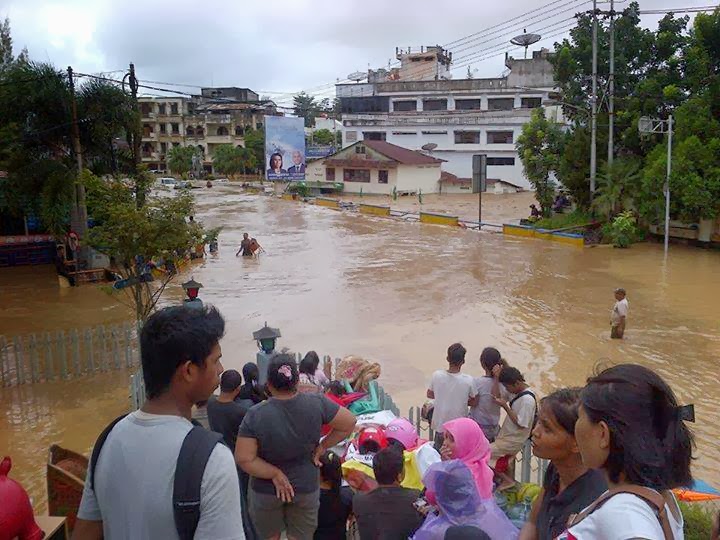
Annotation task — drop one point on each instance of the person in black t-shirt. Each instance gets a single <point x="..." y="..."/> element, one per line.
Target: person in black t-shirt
<point x="251" y="390"/>
<point x="335" y="501"/>
<point x="569" y="486"/>
<point x="388" y="511"/>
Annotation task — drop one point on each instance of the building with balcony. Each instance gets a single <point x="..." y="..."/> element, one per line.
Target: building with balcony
<point x="216" y="116"/>
<point x="425" y="110"/>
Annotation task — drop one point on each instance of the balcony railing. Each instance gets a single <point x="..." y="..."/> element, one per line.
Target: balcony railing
<point x="218" y="118"/>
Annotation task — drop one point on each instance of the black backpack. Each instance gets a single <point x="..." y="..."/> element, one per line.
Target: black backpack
<point x="195" y="451"/>
<point x="535" y="416"/>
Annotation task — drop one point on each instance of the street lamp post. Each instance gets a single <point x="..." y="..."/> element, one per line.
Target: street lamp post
<point x="654" y="125"/>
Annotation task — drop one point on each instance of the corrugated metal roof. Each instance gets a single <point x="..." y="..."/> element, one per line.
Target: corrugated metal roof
<point x="400" y="154"/>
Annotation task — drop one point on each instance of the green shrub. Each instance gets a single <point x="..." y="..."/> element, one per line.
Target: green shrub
<point x="561" y="221"/>
<point x="698" y="521"/>
<point x="209" y="177"/>
<point x="623" y="230"/>
<point x="299" y="188"/>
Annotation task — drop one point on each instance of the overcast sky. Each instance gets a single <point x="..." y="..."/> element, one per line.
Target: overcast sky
<point x="275" y="46"/>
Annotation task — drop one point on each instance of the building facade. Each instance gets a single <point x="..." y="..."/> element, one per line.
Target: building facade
<point x="217" y="116"/>
<point x="451" y="119"/>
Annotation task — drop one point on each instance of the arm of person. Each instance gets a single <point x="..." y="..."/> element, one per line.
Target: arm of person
<point x="341" y="426"/>
<point x="88" y="530"/>
<point x="247" y="459"/>
<point x="495" y="390"/>
<point x="512" y="415"/>
<point x="430" y="394"/>
<point x="431" y="388"/>
<point x="529" y="531"/>
<point x="473" y="400"/>
<point x="220" y="499"/>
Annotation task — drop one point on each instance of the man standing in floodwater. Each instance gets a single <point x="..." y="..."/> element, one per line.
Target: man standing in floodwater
<point x="618" y="317"/>
<point x="245" y="246"/>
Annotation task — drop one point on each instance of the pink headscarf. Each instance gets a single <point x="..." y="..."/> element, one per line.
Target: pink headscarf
<point x="473" y="449"/>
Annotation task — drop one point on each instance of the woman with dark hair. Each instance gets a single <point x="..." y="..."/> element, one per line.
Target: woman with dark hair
<point x="487" y="412"/>
<point x="250" y="390"/>
<point x="335" y="502"/>
<point x="569" y="486"/>
<point x="276" y="164"/>
<point x="631" y="427"/>
<point x="277" y="446"/>
<point x="310" y="372"/>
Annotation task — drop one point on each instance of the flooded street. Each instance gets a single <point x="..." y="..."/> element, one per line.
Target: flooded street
<point x="398" y="293"/>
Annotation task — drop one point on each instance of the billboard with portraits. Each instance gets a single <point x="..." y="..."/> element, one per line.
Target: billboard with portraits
<point x="284" y="148"/>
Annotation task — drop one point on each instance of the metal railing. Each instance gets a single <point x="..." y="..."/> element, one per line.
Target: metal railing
<point x="65" y="354"/>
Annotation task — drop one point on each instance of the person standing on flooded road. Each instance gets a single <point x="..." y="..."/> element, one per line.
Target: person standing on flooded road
<point x="618" y="318"/>
<point x="245" y="246"/>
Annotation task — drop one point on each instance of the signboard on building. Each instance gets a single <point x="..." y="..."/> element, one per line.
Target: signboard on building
<point x="284" y="148"/>
<point x="317" y="151"/>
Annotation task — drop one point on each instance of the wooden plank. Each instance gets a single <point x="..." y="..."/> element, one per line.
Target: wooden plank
<point x="128" y="345"/>
<point x="4" y="361"/>
<point x="19" y="367"/>
<point x="102" y="340"/>
<point x="90" y="350"/>
<point x="34" y="359"/>
<point x="49" y="371"/>
<point x="115" y="346"/>
<point x="61" y="344"/>
<point x="75" y="342"/>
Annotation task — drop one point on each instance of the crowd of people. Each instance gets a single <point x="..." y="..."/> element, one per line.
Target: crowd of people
<point x="276" y="460"/>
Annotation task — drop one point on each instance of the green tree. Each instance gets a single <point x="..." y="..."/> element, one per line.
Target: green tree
<point x="323" y="137"/>
<point x="180" y="159"/>
<point x="229" y="159"/>
<point x="305" y="106"/>
<point x="539" y="147"/>
<point x="255" y="142"/>
<point x="6" y="48"/>
<point x="129" y="234"/>
<point x="616" y="186"/>
<point x="574" y="166"/>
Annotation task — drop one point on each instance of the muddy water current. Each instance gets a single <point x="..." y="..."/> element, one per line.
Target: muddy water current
<point x="398" y="293"/>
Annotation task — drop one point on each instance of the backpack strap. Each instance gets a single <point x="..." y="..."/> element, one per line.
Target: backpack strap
<point x="98" y="446"/>
<point x="521" y="394"/>
<point x="654" y="499"/>
<point x="199" y="443"/>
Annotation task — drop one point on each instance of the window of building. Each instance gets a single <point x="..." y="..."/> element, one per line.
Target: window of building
<point x="467" y="137"/>
<point x="201" y="150"/>
<point x="402" y="106"/>
<point x="330" y="174"/>
<point x="369" y="104"/>
<point x="175" y="128"/>
<point x="468" y="104"/>
<point x="190" y="131"/>
<point x="435" y="104"/>
<point x="163" y="108"/>
<point x="163" y="128"/>
<point x="239" y="131"/>
<point x="173" y="108"/>
<point x="374" y="135"/>
<point x="434" y="132"/>
<point x="501" y="161"/>
<point x="351" y="136"/>
<point x="530" y="102"/>
<point x="163" y="147"/>
<point x="383" y="177"/>
<point x="404" y="132"/>
<point x="222" y="131"/>
<point x="500" y="137"/>
<point x="145" y="109"/>
<point x="175" y="144"/>
<point x="501" y="104"/>
<point x="200" y="131"/>
<point x="147" y="130"/>
<point x="360" y="149"/>
<point x="356" y="175"/>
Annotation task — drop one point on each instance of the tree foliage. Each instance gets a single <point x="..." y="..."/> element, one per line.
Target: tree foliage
<point x="540" y="146"/>
<point x="324" y="137"/>
<point x="180" y="159"/>
<point x="255" y="142"/>
<point x="231" y="160"/>
<point x="133" y="236"/>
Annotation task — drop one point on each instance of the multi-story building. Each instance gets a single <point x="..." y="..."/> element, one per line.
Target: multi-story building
<point x="217" y="116"/>
<point x="423" y="109"/>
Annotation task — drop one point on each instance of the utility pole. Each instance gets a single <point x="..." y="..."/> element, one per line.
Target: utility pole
<point x="78" y="214"/>
<point x="667" y="183"/>
<point x="611" y="88"/>
<point x="593" y="128"/>
<point x="135" y="137"/>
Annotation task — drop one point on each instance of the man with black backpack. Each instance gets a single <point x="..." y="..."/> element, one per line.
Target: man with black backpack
<point x="521" y="416"/>
<point x="153" y="474"/>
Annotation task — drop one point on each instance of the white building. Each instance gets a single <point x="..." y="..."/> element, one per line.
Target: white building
<point x="451" y="119"/>
<point x="376" y="167"/>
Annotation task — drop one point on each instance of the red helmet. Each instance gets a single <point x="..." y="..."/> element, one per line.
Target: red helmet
<point x="16" y="513"/>
<point x="372" y="439"/>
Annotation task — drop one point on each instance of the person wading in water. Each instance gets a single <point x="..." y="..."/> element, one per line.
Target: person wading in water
<point x="245" y="246"/>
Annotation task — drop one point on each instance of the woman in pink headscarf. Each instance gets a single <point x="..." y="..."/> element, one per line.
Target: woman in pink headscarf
<point x="465" y="440"/>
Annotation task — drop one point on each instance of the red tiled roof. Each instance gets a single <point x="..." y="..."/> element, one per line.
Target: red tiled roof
<point x="450" y="178"/>
<point x="402" y="155"/>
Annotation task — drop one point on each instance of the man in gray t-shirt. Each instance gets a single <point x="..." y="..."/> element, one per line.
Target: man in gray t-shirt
<point x="135" y="471"/>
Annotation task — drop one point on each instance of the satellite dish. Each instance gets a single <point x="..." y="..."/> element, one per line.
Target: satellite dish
<point x="429" y="147"/>
<point x="357" y="76"/>
<point x="525" y="40"/>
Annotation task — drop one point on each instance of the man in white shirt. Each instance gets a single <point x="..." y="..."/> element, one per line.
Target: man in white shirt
<point x="452" y="391"/>
<point x="618" y="317"/>
<point x="130" y="492"/>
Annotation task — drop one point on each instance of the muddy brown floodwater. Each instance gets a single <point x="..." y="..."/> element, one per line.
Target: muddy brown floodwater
<point x="398" y="293"/>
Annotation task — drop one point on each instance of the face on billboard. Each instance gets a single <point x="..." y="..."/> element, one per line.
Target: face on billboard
<point x="285" y="148"/>
<point x="276" y="162"/>
<point x="297" y="157"/>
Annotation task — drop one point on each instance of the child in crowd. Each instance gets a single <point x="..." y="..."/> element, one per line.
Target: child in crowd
<point x="335" y="501"/>
<point x="487" y="412"/>
<point x="569" y="486"/>
<point x="452" y="391"/>
<point x="518" y="424"/>
<point x="631" y="427"/>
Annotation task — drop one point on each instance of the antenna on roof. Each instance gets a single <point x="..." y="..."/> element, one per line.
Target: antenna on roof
<point x="525" y="40"/>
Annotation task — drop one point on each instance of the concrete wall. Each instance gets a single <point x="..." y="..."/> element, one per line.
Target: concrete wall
<point x="415" y="178"/>
<point x="456" y="188"/>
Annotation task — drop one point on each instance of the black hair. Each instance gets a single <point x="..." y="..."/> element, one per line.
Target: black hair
<point x="510" y="375"/>
<point x="564" y="405"/>
<point x="272" y="156"/>
<point x="456" y="354"/>
<point x="250" y="372"/>
<point x="490" y="357"/>
<point x="230" y="380"/>
<point x="336" y="388"/>
<point x="175" y="335"/>
<point x="387" y="466"/>
<point x="369" y="447"/>
<point x="649" y="442"/>
<point x="465" y="532"/>
<point x="310" y="363"/>
<point x="331" y="470"/>
<point x="281" y="378"/>
<point x="396" y="445"/>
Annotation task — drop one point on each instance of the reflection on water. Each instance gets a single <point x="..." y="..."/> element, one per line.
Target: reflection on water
<point x="399" y="293"/>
